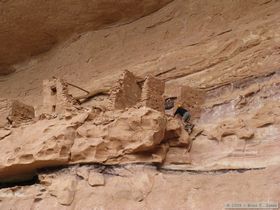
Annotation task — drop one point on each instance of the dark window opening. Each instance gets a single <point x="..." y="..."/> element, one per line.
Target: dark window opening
<point x="53" y="90"/>
<point x="53" y="108"/>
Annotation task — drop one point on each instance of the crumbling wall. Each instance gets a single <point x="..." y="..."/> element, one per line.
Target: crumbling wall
<point x="12" y="111"/>
<point x="56" y="98"/>
<point x="152" y="93"/>
<point x="127" y="92"/>
<point x="192" y="99"/>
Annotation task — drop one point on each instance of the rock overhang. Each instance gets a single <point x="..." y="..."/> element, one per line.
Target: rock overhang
<point x="31" y="27"/>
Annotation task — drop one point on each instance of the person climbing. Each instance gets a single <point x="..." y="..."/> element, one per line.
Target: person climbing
<point x="186" y="116"/>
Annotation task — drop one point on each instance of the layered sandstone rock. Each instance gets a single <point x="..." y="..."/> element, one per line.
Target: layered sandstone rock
<point x="61" y="187"/>
<point x="140" y="187"/>
<point x="174" y="134"/>
<point x="41" y="144"/>
<point x="117" y="138"/>
<point x="244" y="126"/>
<point x="131" y="136"/>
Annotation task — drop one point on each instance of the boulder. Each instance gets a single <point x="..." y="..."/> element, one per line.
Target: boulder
<point x="175" y="133"/>
<point x="63" y="188"/>
<point x="132" y="132"/>
<point x="96" y="179"/>
<point x="45" y="143"/>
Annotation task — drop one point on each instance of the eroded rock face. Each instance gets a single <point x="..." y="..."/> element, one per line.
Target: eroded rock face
<point x="62" y="187"/>
<point x="174" y="133"/>
<point x="44" y="143"/>
<point x="140" y="187"/>
<point x="130" y="132"/>
<point x="112" y="137"/>
<point x="240" y="129"/>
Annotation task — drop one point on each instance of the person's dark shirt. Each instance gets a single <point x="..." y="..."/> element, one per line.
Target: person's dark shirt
<point x="181" y="111"/>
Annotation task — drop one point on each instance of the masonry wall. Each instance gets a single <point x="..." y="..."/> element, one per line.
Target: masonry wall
<point x="152" y="93"/>
<point x="192" y="99"/>
<point x="127" y="92"/>
<point x="56" y="98"/>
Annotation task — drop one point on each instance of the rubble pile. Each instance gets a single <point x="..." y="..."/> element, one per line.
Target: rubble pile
<point x="14" y="112"/>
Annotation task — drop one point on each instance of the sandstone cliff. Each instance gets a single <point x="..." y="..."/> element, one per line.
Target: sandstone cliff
<point x="121" y="149"/>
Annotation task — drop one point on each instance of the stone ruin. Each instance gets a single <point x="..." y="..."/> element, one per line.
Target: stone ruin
<point x="128" y="93"/>
<point x="152" y="93"/>
<point x="56" y="98"/>
<point x="14" y="112"/>
<point x="192" y="99"/>
<point x="135" y="131"/>
<point x="188" y="97"/>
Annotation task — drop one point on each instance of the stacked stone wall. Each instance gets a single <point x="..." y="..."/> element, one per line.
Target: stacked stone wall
<point x="126" y="92"/>
<point x="152" y="93"/>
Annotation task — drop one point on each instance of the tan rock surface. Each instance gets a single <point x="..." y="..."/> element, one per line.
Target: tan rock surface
<point x="174" y="134"/>
<point x="62" y="186"/>
<point x="4" y="133"/>
<point x="113" y="137"/>
<point x="44" y="143"/>
<point x="133" y="131"/>
<point x="96" y="179"/>
<point x="54" y="21"/>
<point x="144" y="187"/>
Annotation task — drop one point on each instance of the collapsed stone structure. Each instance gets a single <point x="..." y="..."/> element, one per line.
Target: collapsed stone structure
<point x="127" y="93"/>
<point x="56" y="98"/>
<point x="14" y="112"/>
